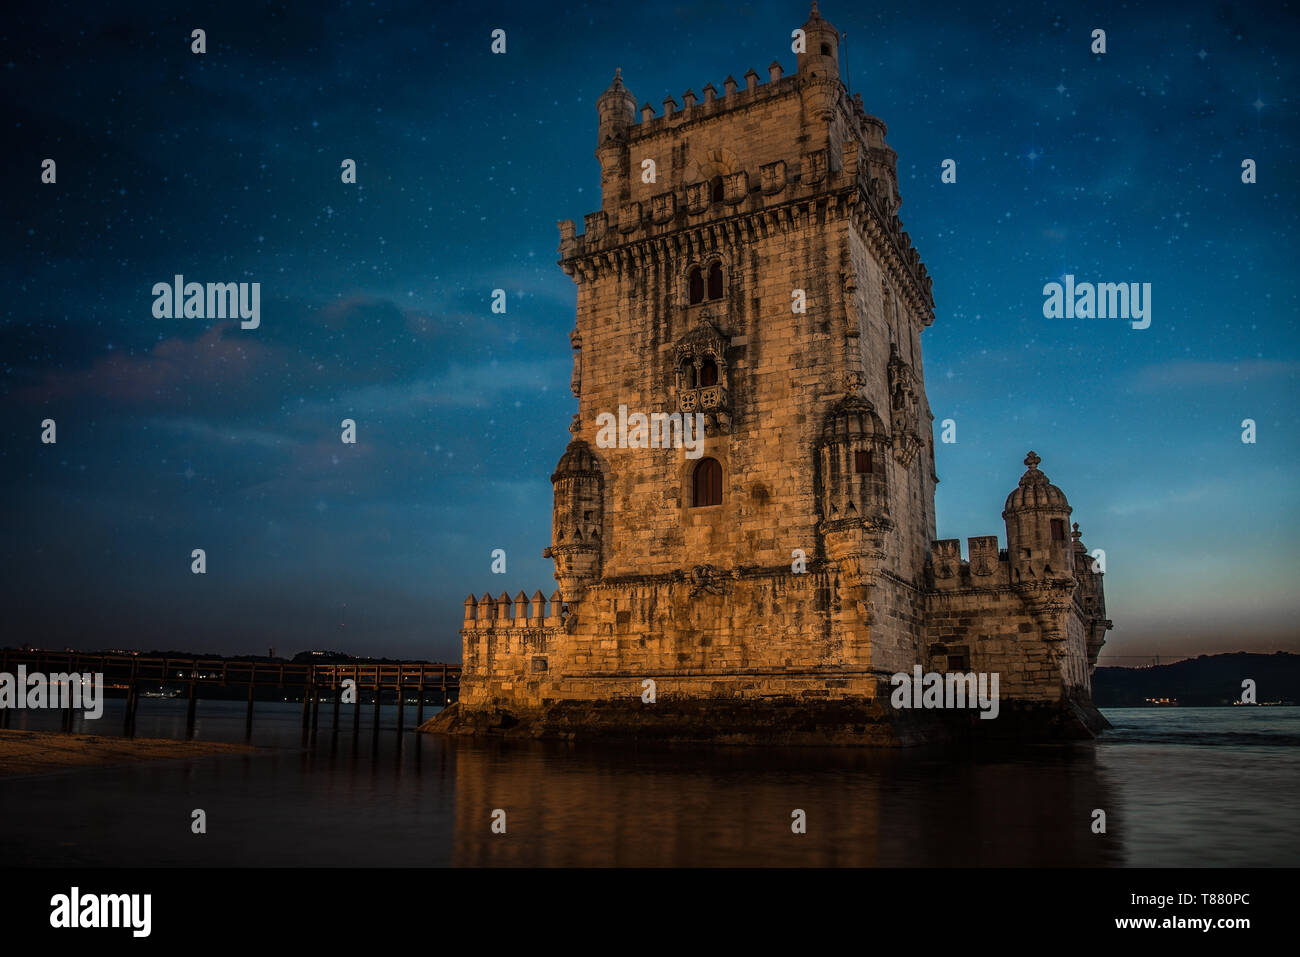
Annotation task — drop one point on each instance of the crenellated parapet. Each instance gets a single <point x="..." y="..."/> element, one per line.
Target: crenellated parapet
<point x="1044" y="573"/>
<point x="676" y="224"/>
<point x="487" y="613"/>
<point x="507" y="644"/>
<point x="986" y="568"/>
<point x="663" y="198"/>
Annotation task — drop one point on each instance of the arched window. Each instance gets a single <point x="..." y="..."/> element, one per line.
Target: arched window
<point x="708" y="372"/>
<point x="695" y="285"/>
<point x="1058" y="530"/>
<point x="826" y="49"/>
<point x="706" y="484"/>
<point x="688" y="372"/>
<point x="716" y="191"/>
<point x="715" y="281"/>
<point x="862" y="461"/>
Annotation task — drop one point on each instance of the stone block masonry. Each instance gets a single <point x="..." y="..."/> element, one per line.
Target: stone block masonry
<point x="767" y="586"/>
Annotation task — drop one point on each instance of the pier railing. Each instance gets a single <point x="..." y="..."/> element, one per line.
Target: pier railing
<point x="313" y="682"/>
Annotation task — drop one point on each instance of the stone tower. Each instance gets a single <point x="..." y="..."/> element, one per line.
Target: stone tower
<point x="747" y="266"/>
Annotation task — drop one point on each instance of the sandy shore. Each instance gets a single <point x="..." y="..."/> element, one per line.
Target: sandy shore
<point x="39" y="752"/>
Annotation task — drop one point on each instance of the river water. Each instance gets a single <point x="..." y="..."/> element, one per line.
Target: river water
<point x="1180" y="787"/>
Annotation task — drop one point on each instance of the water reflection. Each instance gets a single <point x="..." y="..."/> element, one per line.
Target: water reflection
<point x="1178" y="790"/>
<point x="595" y="806"/>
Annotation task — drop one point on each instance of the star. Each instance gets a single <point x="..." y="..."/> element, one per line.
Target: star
<point x="1060" y="88"/>
<point x="1202" y="55"/>
<point x="1258" y="104"/>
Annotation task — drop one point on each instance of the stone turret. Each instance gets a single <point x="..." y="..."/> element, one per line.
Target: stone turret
<point x="577" y="519"/>
<point x="1040" y="553"/>
<point x="1091" y="597"/>
<point x="616" y="109"/>
<point x="1037" y="516"/>
<point x="821" y="56"/>
<point x="819" y="66"/>
<point x="853" y="497"/>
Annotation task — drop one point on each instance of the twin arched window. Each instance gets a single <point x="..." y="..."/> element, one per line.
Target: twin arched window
<point x="706" y="483"/>
<point x="707" y="376"/>
<point x="695" y="283"/>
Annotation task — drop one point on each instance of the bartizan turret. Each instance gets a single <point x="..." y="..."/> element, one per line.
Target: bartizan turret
<point x="853" y="497"/>
<point x="1090" y="597"/>
<point x="1040" y="551"/>
<point x="819" y="67"/>
<point x="616" y="112"/>
<point x="577" y="520"/>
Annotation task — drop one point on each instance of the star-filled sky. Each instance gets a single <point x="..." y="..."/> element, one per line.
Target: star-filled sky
<point x="176" y="434"/>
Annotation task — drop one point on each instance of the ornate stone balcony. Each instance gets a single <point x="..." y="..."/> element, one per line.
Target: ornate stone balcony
<point x="709" y="398"/>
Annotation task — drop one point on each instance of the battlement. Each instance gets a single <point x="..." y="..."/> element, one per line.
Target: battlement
<point x="626" y="142"/>
<point x="987" y="566"/>
<point x="735" y="166"/>
<point x="693" y="109"/>
<point x="488" y="613"/>
<point x="701" y="193"/>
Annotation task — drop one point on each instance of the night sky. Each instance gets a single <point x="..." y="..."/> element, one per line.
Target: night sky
<point x="175" y="434"/>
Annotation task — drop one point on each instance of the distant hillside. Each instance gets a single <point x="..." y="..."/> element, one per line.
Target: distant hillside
<point x="1207" y="680"/>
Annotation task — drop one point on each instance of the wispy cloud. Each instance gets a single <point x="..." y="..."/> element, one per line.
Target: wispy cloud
<point x="1188" y="373"/>
<point x="462" y="386"/>
<point x="222" y="434"/>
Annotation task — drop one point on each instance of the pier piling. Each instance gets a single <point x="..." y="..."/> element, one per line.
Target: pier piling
<point x="193" y="707"/>
<point x="356" y="699"/>
<point x="401" y="700"/>
<point x="138" y="675"/>
<point x="248" y="716"/>
<point x="306" y="702"/>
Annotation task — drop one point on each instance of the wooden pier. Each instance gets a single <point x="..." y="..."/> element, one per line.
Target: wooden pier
<point x="431" y="683"/>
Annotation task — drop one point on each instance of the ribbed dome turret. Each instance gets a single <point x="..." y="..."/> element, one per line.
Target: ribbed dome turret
<point x="578" y="519"/>
<point x="852" y="480"/>
<point x="616" y="109"/>
<point x="852" y="417"/>
<point x="578" y="459"/>
<point x="823" y="45"/>
<point x="1038" y="541"/>
<point x="1035" y="491"/>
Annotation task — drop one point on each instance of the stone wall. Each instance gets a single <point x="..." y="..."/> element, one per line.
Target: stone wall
<point x="785" y="185"/>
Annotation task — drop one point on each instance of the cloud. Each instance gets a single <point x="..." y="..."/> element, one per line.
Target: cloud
<point x="462" y="387"/>
<point x="222" y="434"/>
<point x="1188" y="373"/>
<point x="298" y="352"/>
<point x="1130" y="504"/>
<point x="174" y="367"/>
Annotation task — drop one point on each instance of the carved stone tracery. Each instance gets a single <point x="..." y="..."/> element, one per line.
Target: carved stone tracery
<point x="903" y="415"/>
<point x="704" y="342"/>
